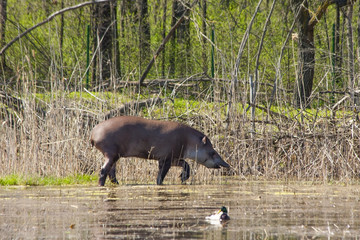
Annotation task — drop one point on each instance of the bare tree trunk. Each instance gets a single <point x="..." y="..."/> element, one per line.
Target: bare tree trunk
<point x="358" y="43"/>
<point x="351" y="57"/>
<point x="172" y="60"/>
<point x="163" y="36"/>
<point x="173" y="53"/>
<point x="104" y="28"/>
<point x="180" y="42"/>
<point x="185" y="41"/>
<point x="3" y="17"/>
<point x="61" y="40"/>
<point x="116" y="66"/>
<point x="337" y="53"/>
<point x="144" y="33"/>
<point x="128" y="7"/>
<point x="306" y="58"/>
<point x="129" y="12"/>
<point x="204" y="29"/>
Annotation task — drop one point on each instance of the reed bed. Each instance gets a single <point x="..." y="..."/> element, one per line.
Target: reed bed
<point x="48" y="135"/>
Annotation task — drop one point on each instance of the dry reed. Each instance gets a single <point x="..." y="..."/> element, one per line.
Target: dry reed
<point x="51" y="137"/>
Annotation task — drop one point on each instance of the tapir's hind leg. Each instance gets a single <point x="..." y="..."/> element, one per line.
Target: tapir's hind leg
<point x="110" y="159"/>
<point x="164" y="166"/>
<point x="185" y="174"/>
<point x="112" y="174"/>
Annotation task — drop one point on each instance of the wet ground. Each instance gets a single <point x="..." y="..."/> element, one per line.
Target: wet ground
<point x="257" y="209"/>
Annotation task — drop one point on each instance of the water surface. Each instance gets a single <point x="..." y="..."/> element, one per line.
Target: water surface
<point x="257" y="209"/>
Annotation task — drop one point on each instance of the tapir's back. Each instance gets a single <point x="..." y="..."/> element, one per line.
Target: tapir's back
<point x="139" y="137"/>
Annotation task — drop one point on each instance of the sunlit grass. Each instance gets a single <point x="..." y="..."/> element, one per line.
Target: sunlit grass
<point x="14" y="179"/>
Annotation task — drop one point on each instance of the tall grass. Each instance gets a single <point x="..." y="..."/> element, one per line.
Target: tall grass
<point x="49" y="136"/>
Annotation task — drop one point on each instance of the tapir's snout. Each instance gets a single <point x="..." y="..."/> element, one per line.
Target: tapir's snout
<point x="216" y="162"/>
<point x="221" y="163"/>
<point x="224" y="164"/>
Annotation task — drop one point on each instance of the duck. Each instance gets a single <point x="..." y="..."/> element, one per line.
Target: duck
<point x="221" y="216"/>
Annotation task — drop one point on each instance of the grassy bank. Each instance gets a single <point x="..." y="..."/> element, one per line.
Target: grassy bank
<point x="14" y="179"/>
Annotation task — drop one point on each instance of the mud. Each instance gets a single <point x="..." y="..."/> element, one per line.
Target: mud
<point x="257" y="209"/>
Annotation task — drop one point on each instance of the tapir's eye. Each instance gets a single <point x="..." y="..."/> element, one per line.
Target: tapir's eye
<point x="212" y="154"/>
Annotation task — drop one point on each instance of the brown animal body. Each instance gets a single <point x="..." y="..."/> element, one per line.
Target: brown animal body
<point x="168" y="142"/>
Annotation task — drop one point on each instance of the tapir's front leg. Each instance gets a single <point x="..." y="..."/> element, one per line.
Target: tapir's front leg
<point x="164" y="166"/>
<point x="185" y="174"/>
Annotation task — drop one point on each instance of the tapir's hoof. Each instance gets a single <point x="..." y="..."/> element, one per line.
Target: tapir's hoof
<point x="115" y="181"/>
<point x="184" y="176"/>
<point x="102" y="181"/>
<point x="101" y="184"/>
<point x="159" y="181"/>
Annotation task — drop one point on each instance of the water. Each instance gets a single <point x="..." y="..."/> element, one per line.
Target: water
<point x="257" y="209"/>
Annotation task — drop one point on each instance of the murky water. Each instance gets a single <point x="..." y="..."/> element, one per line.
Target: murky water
<point x="258" y="210"/>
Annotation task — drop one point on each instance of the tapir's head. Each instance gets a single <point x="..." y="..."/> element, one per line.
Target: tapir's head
<point x="201" y="150"/>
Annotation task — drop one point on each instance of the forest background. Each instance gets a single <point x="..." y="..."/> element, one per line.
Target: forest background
<point x="274" y="84"/>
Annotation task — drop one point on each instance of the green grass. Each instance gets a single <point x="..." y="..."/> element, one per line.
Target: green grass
<point x="14" y="179"/>
<point x="183" y="106"/>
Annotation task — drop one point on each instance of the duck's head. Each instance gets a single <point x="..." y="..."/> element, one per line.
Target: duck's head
<point x="224" y="217"/>
<point x="223" y="209"/>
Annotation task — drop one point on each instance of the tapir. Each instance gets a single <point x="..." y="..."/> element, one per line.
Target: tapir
<point x="168" y="142"/>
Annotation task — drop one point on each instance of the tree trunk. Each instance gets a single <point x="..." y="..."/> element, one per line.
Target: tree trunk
<point x="163" y="36"/>
<point x="358" y="39"/>
<point x="104" y="32"/>
<point x="144" y="33"/>
<point x="204" y="29"/>
<point x="337" y="53"/>
<point x="3" y="18"/>
<point x="306" y="22"/>
<point x="129" y="14"/>
<point x="175" y="16"/>
<point x="185" y="42"/>
<point x="180" y="42"/>
<point x="306" y="58"/>
<point x="350" y="44"/>
<point x="116" y="66"/>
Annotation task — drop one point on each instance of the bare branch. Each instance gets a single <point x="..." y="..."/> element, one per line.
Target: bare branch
<point x="48" y="20"/>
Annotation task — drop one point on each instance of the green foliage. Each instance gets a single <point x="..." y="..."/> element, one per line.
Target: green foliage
<point x="14" y="179"/>
<point x="44" y="61"/>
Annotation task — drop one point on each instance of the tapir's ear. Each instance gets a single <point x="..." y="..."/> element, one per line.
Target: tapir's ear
<point x="204" y="140"/>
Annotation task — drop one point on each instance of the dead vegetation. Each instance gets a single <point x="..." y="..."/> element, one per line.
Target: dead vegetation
<point x="51" y="137"/>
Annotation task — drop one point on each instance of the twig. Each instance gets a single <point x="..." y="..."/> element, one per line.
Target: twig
<point x="339" y="102"/>
<point x="101" y="100"/>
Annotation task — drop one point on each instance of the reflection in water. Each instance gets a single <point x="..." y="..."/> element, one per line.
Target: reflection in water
<point x="257" y="210"/>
